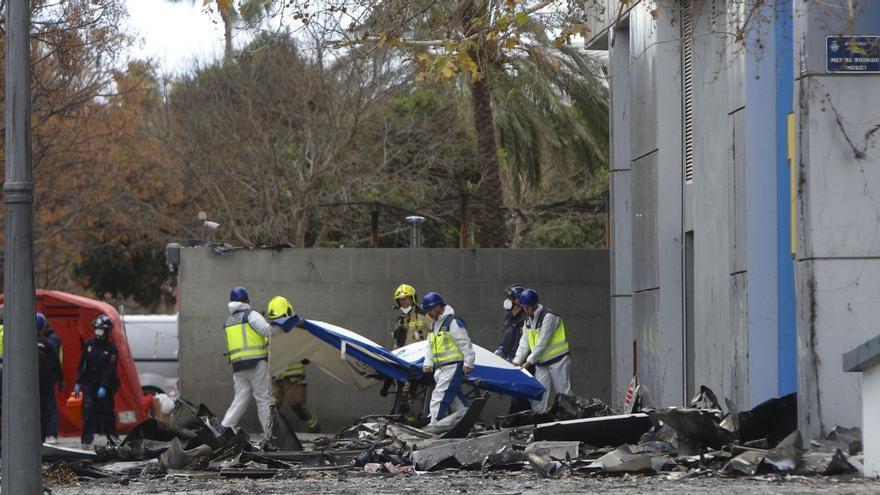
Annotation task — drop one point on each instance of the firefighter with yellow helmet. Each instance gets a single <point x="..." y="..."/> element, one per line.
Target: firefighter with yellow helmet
<point x="412" y="326"/>
<point x="543" y="348"/>
<point x="289" y="386"/>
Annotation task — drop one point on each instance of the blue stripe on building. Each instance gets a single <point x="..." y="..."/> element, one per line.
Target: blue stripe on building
<point x="785" y="282"/>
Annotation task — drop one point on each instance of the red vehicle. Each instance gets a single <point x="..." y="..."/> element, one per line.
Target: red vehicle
<point x="71" y="317"/>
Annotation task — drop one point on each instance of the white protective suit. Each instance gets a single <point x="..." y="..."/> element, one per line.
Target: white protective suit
<point x="556" y="371"/>
<point x="447" y="397"/>
<point x="252" y="381"/>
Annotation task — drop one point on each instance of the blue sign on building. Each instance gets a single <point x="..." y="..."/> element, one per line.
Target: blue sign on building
<point x="852" y="54"/>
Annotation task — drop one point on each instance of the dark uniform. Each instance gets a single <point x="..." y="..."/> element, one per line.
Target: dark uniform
<point x="97" y="369"/>
<point x="510" y="337"/>
<point x="50" y="376"/>
<point x="55" y="340"/>
<point x="49" y="369"/>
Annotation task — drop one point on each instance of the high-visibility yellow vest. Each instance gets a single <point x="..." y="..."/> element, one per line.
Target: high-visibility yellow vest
<point x="443" y="346"/>
<point x="243" y="343"/>
<point x="296" y="370"/>
<point x="2" y="328"/>
<point x="417" y="326"/>
<point x="557" y="345"/>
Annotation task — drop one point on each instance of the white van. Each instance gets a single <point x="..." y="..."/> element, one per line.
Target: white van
<point x="153" y="343"/>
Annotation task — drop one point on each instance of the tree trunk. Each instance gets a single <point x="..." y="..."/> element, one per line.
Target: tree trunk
<point x="227" y="34"/>
<point x="491" y="229"/>
<point x="463" y="223"/>
<point x="374" y="226"/>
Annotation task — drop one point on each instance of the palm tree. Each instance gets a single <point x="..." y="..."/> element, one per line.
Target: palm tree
<point x="539" y="99"/>
<point x="549" y="115"/>
<point x="248" y="11"/>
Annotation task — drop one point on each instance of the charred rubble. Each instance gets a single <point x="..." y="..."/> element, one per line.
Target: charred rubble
<point x="578" y="437"/>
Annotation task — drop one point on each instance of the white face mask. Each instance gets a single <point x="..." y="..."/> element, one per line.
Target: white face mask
<point x="406" y="310"/>
<point x="508" y="304"/>
<point x="99" y="332"/>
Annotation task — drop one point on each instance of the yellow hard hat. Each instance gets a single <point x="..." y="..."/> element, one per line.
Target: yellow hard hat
<point x="279" y="306"/>
<point x="403" y="291"/>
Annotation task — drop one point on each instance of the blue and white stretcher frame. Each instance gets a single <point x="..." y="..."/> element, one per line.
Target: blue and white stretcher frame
<point x="359" y="362"/>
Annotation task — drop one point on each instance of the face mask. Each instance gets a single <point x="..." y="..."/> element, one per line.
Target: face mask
<point x="99" y="332"/>
<point x="508" y="304"/>
<point x="406" y="310"/>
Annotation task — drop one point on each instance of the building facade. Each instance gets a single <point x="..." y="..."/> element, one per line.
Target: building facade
<point x="716" y="248"/>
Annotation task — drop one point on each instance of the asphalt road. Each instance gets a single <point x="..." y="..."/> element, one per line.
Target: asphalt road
<point x="491" y="483"/>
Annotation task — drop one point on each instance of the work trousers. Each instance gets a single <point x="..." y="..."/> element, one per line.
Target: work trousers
<point x="292" y="391"/>
<point x="254" y="381"/>
<point x="555" y="374"/>
<point x="54" y="415"/>
<point x="46" y="392"/>
<point x="405" y="403"/>
<point x="518" y="405"/>
<point x="447" y="397"/>
<point x="98" y="414"/>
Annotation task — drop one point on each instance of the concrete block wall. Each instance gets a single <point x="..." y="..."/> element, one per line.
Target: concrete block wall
<point x="353" y="288"/>
<point x="838" y="217"/>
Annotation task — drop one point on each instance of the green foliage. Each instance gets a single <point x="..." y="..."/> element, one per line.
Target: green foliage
<point x="578" y="232"/>
<point x="420" y="141"/>
<point x="551" y="111"/>
<point x="126" y="269"/>
<point x="428" y="129"/>
<point x="246" y="127"/>
<point x="535" y="101"/>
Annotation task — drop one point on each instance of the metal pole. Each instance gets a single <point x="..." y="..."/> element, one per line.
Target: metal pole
<point x="374" y="226"/>
<point x="463" y="224"/>
<point x="21" y="414"/>
<point x="415" y="221"/>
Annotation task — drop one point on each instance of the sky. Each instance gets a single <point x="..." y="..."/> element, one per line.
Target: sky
<point x="173" y="34"/>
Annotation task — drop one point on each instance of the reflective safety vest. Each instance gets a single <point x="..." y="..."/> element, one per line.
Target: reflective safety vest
<point x="296" y="370"/>
<point x="417" y="326"/>
<point x="443" y="346"/>
<point x="2" y="329"/>
<point x="243" y="343"/>
<point x="557" y="346"/>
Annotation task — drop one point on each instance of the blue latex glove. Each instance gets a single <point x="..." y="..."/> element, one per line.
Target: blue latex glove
<point x="102" y="392"/>
<point x="76" y="389"/>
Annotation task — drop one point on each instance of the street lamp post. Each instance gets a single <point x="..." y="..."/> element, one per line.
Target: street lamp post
<point x="415" y="221"/>
<point x="21" y="414"/>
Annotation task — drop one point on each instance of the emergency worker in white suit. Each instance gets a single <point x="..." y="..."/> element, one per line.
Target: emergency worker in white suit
<point x="247" y="348"/>
<point x="450" y="356"/>
<point x="543" y="349"/>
